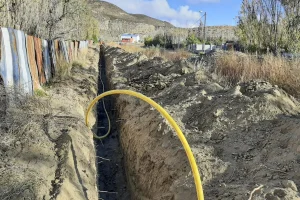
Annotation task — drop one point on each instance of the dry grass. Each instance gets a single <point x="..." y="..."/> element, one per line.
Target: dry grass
<point x="82" y="56"/>
<point x="63" y="68"/>
<point x="237" y="67"/>
<point x="154" y="52"/>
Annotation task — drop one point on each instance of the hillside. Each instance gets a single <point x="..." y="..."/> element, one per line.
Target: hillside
<point x="113" y="12"/>
<point x="114" y="21"/>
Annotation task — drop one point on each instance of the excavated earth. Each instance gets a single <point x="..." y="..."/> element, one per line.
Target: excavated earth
<point x="46" y="151"/>
<point x="246" y="138"/>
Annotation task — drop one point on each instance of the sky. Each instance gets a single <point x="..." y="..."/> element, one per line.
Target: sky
<point x="184" y="13"/>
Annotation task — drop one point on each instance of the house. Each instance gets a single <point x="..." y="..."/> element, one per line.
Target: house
<point x="130" y="38"/>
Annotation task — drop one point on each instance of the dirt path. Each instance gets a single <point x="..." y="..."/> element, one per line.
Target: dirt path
<point x="46" y="151"/>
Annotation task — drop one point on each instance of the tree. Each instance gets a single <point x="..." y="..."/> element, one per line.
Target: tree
<point x="50" y="19"/>
<point x="192" y="39"/>
<point x="148" y="41"/>
<point x="261" y="24"/>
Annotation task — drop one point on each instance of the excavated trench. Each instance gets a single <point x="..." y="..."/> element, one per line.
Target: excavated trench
<point x="231" y="133"/>
<point x="111" y="174"/>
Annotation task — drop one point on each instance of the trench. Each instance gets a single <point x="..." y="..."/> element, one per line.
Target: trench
<point x="111" y="176"/>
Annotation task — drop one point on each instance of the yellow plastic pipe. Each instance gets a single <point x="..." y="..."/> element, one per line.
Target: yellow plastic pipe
<point x="187" y="148"/>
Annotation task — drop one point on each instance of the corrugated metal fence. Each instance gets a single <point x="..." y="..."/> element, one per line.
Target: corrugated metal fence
<point x="28" y="62"/>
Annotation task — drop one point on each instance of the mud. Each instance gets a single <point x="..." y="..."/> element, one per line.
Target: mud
<point x="243" y="137"/>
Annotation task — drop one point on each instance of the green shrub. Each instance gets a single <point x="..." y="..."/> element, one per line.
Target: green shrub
<point x="192" y="39"/>
<point x="148" y="41"/>
<point x="40" y="93"/>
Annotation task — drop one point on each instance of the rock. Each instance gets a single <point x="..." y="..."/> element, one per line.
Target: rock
<point x="280" y="193"/>
<point x="161" y="85"/>
<point x="186" y="70"/>
<point x="119" y="80"/>
<point x="276" y="93"/>
<point x="290" y="184"/>
<point x="200" y="76"/>
<point x="218" y="112"/>
<point x="223" y="185"/>
<point x="217" y="136"/>
<point x="237" y="91"/>
<point x="270" y="196"/>
<point x="203" y="92"/>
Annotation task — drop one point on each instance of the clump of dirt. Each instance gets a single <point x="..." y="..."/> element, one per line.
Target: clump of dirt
<point x="46" y="151"/>
<point x="245" y="138"/>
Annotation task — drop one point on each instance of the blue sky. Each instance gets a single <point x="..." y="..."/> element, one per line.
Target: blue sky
<point x="184" y="13"/>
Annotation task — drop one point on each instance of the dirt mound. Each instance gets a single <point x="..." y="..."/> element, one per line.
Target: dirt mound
<point x="242" y="137"/>
<point x="46" y="151"/>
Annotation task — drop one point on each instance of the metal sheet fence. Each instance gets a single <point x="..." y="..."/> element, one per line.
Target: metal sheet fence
<point x="27" y="62"/>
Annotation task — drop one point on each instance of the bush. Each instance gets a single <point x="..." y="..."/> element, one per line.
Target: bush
<point x="237" y="67"/>
<point x="148" y="41"/>
<point x="95" y="38"/>
<point x="159" y="41"/>
<point x="192" y="39"/>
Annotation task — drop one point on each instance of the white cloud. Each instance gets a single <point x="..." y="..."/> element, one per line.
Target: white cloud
<point x="160" y="9"/>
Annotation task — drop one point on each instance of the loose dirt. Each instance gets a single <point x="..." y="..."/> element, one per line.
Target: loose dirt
<point x="46" y="151"/>
<point x="245" y="138"/>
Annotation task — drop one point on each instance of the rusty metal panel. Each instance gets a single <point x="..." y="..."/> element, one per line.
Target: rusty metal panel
<point x="71" y="50"/>
<point x="39" y="59"/>
<point x="76" y="49"/>
<point x="32" y="63"/>
<point x="56" y="47"/>
<point x="15" y="59"/>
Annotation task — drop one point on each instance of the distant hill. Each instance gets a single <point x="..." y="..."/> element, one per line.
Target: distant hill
<point x="114" y="21"/>
<point x="113" y="12"/>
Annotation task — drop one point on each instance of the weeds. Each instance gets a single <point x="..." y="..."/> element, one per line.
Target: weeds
<point x="63" y="68"/>
<point x="237" y="67"/>
<point x="40" y="93"/>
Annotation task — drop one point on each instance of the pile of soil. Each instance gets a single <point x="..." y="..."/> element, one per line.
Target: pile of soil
<point x="243" y="137"/>
<point x="46" y="151"/>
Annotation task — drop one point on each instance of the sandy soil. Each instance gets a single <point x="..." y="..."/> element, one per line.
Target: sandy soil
<point x="243" y="137"/>
<point x="46" y="151"/>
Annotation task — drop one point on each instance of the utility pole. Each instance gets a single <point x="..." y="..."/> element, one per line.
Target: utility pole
<point x="204" y="34"/>
<point x="203" y="28"/>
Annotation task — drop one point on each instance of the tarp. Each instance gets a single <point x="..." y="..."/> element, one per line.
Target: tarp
<point x="15" y="59"/>
<point x="32" y="62"/>
<point x="46" y="60"/>
<point x="39" y="59"/>
<point x="6" y="67"/>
